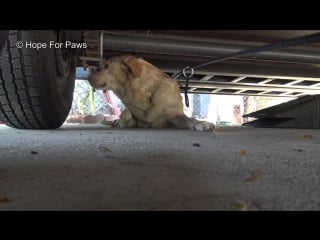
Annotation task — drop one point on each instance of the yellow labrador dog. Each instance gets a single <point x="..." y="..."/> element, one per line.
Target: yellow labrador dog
<point x="151" y="97"/>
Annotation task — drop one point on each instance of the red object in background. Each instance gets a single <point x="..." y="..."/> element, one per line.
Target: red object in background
<point x="109" y="98"/>
<point x="237" y="113"/>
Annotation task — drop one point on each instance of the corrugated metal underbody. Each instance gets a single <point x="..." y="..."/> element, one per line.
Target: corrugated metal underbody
<point x="290" y="72"/>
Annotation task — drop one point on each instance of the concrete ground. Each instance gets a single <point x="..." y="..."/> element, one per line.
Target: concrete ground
<point x="94" y="167"/>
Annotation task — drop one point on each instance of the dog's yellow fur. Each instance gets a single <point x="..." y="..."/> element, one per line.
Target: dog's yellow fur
<point x="151" y="97"/>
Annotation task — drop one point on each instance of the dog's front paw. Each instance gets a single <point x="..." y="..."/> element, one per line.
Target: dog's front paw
<point x="203" y="126"/>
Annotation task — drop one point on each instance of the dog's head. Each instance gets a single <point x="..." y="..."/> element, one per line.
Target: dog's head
<point x="115" y="71"/>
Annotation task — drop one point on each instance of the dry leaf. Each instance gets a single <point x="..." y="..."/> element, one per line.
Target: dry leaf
<point x="243" y="152"/>
<point x="308" y="136"/>
<point x="5" y="200"/>
<point x="254" y="176"/>
<point x="33" y="152"/>
<point x="241" y="206"/>
<point x="104" y="149"/>
<point x="196" y="144"/>
<point x="298" y="150"/>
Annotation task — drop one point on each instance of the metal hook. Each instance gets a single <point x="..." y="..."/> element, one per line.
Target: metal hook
<point x="188" y="75"/>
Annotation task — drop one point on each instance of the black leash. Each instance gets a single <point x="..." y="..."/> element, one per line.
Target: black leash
<point x="187" y="76"/>
<point x="278" y="45"/>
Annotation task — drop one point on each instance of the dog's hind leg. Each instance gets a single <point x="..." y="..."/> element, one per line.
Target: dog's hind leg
<point x="184" y="122"/>
<point x="161" y="123"/>
<point x="142" y="124"/>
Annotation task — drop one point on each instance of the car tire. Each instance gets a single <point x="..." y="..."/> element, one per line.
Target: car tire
<point x="36" y="84"/>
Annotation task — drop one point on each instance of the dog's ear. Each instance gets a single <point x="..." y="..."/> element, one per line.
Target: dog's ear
<point x="133" y="65"/>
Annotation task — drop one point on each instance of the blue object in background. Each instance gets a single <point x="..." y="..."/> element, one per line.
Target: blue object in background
<point x="201" y="105"/>
<point x="82" y="74"/>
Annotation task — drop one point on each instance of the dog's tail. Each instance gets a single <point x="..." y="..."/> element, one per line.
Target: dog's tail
<point x="184" y="122"/>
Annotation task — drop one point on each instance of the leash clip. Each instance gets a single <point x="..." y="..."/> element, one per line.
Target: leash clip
<point x="188" y="72"/>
